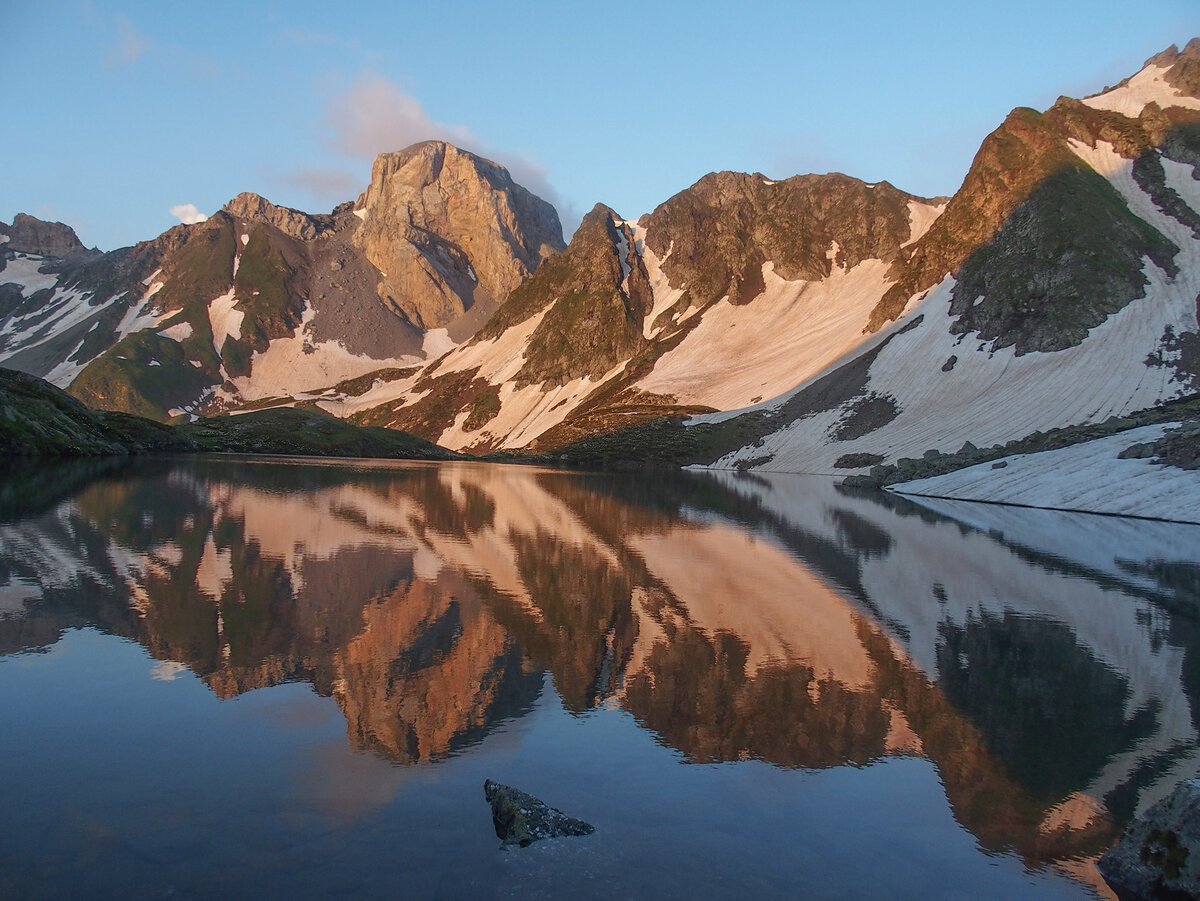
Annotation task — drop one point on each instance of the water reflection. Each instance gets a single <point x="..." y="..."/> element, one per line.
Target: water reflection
<point x="1046" y="664"/>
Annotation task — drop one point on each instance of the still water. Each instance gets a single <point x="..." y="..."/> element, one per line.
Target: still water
<point x="254" y="678"/>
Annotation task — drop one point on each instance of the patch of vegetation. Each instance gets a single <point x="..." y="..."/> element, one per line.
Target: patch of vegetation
<point x="592" y="323"/>
<point x="1046" y="241"/>
<point x="864" y="415"/>
<point x="432" y="414"/>
<point x="306" y="433"/>
<point x="1064" y="260"/>
<point x="1163" y="850"/>
<point x="363" y="383"/>
<point x="264" y="295"/>
<point x="124" y="380"/>
<point x="37" y="419"/>
<point x="483" y="409"/>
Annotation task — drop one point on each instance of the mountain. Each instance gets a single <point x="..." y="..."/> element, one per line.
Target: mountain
<point x="814" y="324"/>
<point x="262" y="302"/>
<point x="821" y="324"/>
<point x="715" y="300"/>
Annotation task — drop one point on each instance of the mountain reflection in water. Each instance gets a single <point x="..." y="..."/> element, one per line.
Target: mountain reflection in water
<point x="1053" y="683"/>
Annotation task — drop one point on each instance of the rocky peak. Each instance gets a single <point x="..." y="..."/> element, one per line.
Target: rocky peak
<point x="28" y="234"/>
<point x="254" y="207"/>
<point x="715" y="236"/>
<point x="1184" y="74"/>
<point x="442" y="224"/>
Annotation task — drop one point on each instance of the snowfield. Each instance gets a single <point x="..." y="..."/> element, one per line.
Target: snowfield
<point x="1087" y="477"/>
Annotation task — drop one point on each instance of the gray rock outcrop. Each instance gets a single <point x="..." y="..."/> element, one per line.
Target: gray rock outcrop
<point x="1158" y="856"/>
<point x="28" y="234"/>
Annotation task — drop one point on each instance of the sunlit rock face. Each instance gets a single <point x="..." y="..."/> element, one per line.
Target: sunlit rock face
<point x="441" y="224"/>
<point x="736" y="618"/>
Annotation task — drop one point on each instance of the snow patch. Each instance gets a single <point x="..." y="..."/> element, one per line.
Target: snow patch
<point x="226" y="322"/>
<point x="152" y="276"/>
<point x="1148" y="86"/>
<point x="65" y="372"/>
<point x="497" y="359"/>
<point x="623" y="256"/>
<point x="525" y="413"/>
<point x="740" y="354"/>
<point x="437" y="342"/>
<point x="245" y="240"/>
<point x="23" y="271"/>
<point x="361" y="214"/>
<point x="992" y="397"/>
<point x="180" y="332"/>
<point x="296" y="364"/>
<point x="920" y="217"/>
<point x="665" y="296"/>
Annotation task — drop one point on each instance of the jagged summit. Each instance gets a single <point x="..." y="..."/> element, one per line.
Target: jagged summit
<point x="295" y="223"/>
<point x="28" y="234"/>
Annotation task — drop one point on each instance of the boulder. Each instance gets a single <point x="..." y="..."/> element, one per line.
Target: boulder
<point x="521" y="819"/>
<point x="1158" y="855"/>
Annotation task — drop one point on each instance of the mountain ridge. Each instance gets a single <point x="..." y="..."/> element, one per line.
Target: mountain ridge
<point x="264" y="302"/>
<point x="815" y="323"/>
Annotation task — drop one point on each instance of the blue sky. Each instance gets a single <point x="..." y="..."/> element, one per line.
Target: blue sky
<point x="117" y="112"/>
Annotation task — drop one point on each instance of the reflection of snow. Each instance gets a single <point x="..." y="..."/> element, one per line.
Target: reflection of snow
<point x="167" y="670"/>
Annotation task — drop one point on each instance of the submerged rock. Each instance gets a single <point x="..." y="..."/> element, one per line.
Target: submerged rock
<point x="1158" y="856"/>
<point x="521" y="819"/>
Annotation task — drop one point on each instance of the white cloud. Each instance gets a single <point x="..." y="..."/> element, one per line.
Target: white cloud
<point x="376" y="116"/>
<point x="328" y="184"/>
<point x="131" y="43"/>
<point x="187" y="213"/>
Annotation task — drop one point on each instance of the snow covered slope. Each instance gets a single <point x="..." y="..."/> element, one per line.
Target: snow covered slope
<point x="1090" y="476"/>
<point x="1060" y="286"/>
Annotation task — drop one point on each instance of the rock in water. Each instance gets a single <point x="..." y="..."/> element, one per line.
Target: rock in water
<point x="521" y="819"/>
<point x="1158" y="856"/>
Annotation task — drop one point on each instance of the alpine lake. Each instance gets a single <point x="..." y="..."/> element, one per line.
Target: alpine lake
<point x="227" y="677"/>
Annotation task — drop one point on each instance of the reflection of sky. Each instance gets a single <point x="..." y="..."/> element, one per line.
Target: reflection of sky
<point x="262" y="795"/>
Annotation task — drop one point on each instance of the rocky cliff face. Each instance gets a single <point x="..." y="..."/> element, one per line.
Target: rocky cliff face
<point x="262" y="303"/>
<point x="29" y="234"/>
<point x="447" y="229"/>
